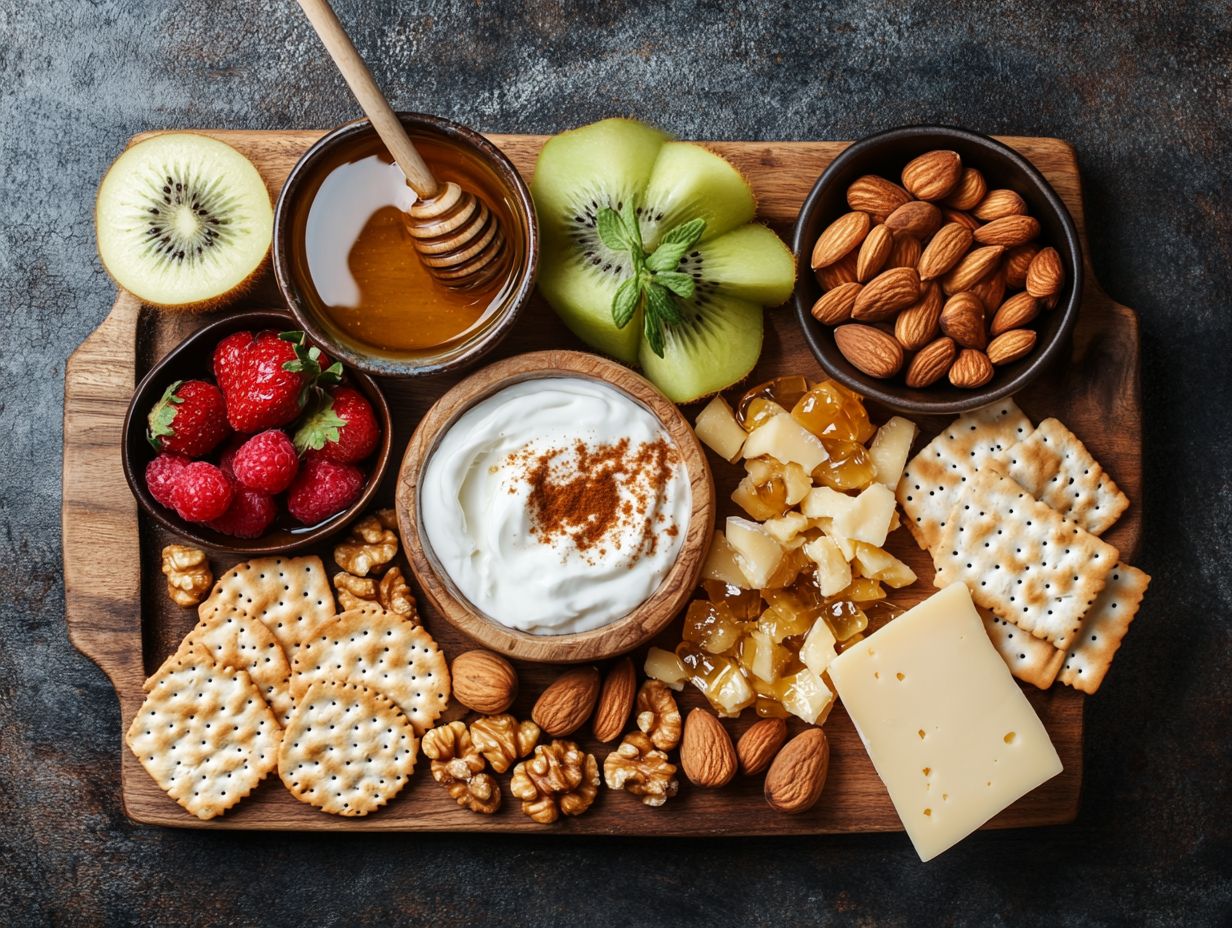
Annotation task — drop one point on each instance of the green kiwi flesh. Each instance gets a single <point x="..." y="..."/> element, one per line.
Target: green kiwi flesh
<point x="183" y="220"/>
<point x="738" y="266"/>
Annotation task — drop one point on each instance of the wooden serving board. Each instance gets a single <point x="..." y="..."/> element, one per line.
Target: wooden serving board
<point x="119" y="615"/>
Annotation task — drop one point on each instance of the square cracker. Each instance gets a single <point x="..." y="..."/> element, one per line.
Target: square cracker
<point x="1021" y="559"/>
<point x="1055" y="467"/>
<point x="929" y="486"/>
<point x="206" y="735"/>
<point x="1103" y="627"/>
<point x="291" y="596"/>
<point x="1031" y="659"/>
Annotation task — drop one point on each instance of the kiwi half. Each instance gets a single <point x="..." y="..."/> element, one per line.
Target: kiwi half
<point x="737" y="266"/>
<point x="183" y="221"/>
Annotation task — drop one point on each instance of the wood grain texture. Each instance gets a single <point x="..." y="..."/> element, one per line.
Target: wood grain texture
<point x="611" y="640"/>
<point x="119" y="615"/>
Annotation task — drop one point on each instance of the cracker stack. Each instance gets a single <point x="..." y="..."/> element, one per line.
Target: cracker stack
<point x="273" y="678"/>
<point x="1015" y="513"/>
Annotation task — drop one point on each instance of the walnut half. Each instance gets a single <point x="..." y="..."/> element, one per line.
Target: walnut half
<point x="369" y="549"/>
<point x="457" y="766"/>
<point x="560" y="778"/>
<point x="502" y="739"/>
<point x="641" y="770"/>
<point x="658" y="715"/>
<point x="188" y="574"/>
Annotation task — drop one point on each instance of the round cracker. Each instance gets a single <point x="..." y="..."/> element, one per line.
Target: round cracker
<point x="205" y="735"/>
<point x="347" y="749"/>
<point x="383" y="651"/>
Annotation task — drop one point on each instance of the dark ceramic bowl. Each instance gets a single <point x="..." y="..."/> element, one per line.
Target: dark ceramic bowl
<point x="192" y="359"/>
<point x="294" y="279"/>
<point x="886" y="154"/>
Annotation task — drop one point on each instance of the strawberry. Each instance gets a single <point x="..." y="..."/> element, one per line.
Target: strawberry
<point x="249" y="516"/>
<point x="322" y="489"/>
<point x="342" y="428"/>
<point x="202" y="492"/>
<point x="190" y="419"/>
<point x="266" y="378"/>
<point x="161" y="476"/>
<point x="266" y="462"/>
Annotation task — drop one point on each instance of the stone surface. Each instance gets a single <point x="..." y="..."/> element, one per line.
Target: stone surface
<point x="1144" y="93"/>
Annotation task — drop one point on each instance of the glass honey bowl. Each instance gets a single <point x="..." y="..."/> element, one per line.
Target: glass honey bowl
<point x="347" y="268"/>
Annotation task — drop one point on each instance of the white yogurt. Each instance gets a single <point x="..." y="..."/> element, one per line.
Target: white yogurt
<point x="476" y="510"/>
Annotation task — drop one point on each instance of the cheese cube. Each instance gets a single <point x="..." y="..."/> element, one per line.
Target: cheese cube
<point x="868" y="519"/>
<point x="721" y="564"/>
<point x="717" y="427"/>
<point x="825" y="503"/>
<point x="818" y="649"/>
<point x="786" y="527"/>
<point x="666" y="667"/>
<point x="949" y="732"/>
<point x="786" y="440"/>
<point x="878" y="564"/>
<point x="833" y="570"/>
<point x="756" y="551"/>
<point x="806" y="696"/>
<point x="890" y="448"/>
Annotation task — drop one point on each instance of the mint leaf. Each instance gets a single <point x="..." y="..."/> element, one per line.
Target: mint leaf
<point x="682" y="285"/>
<point x="686" y="234"/>
<point x="663" y="304"/>
<point x="633" y="228"/>
<point x="611" y="229"/>
<point x="652" y="329"/>
<point x="666" y="256"/>
<point x="624" y="303"/>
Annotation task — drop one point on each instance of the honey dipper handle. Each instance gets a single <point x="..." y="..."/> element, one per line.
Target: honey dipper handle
<point x="371" y="100"/>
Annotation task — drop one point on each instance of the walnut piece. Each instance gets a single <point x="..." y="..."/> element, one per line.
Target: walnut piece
<point x="188" y="574"/>
<point x="641" y="770"/>
<point x="658" y="715"/>
<point x="559" y="779"/>
<point x="394" y="593"/>
<point x="354" y="592"/>
<point x="369" y="549"/>
<point x="502" y="739"/>
<point x="458" y="766"/>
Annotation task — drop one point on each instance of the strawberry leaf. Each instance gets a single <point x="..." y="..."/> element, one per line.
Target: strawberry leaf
<point x="320" y="427"/>
<point x="162" y="415"/>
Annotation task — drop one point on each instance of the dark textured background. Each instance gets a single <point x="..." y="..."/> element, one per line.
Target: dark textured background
<point x="1144" y="93"/>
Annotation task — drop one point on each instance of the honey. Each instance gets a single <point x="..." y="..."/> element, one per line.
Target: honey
<point x="356" y="263"/>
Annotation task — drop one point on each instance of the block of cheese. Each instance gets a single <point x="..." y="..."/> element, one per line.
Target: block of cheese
<point x="948" y="730"/>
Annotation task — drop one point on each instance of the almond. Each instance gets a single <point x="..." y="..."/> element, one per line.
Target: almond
<point x="962" y="319"/>
<point x="886" y="294"/>
<point x="615" y="701"/>
<point x="933" y="175"/>
<point x="706" y="751"/>
<point x="874" y="251"/>
<point x="798" y="774"/>
<point x="906" y="251"/>
<point x="1010" y="346"/>
<point x="565" y="706"/>
<point x="998" y="204"/>
<point x="1008" y="231"/>
<point x="971" y="369"/>
<point x="970" y="190"/>
<point x="834" y="306"/>
<point x="876" y="195"/>
<point x="974" y="266"/>
<point x="963" y="219"/>
<point x="840" y="238"/>
<point x="990" y="290"/>
<point x="916" y="325"/>
<point x="484" y="681"/>
<point x="758" y="745"/>
<point x="1017" y="260"/>
<point x="869" y="350"/>
<point x="915" y="218"/>
<point x="1016" y="312"/>
<point x="945" y="250"/>
<point x="931" y="363"/>
<point x="1045" y="274"/>
<point x="840" y="272"/>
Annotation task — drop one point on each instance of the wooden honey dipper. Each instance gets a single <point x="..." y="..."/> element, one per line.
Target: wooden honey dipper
<point x="457" y="235"/>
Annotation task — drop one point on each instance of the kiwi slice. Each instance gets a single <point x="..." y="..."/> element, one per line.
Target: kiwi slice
<point x="183" y="221"/>
<point x="733" y="266"/>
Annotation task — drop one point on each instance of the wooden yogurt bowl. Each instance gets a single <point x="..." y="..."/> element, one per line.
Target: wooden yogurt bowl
<point x="625" y="633"/>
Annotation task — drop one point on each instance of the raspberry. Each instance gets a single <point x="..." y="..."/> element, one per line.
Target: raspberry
<point x="249" y="516"/>
<point x="266" y="462"/>
<point x="322" y="489"/>
<point x="161" y="475"/>
<point x="202" y="492"/>
<point x="226" y="461"/>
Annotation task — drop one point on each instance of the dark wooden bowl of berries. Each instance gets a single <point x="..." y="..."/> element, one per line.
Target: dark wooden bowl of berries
<point x="247" y="439"/>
